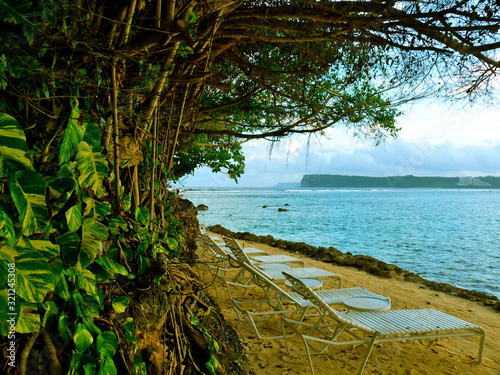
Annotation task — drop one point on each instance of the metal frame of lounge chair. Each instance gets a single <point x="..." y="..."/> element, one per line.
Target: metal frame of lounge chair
<point x="276" y="275"/>
<point x="203" y="228"/>
<point x="235" y="247"/>
<point x="374" y="327"/>
<point x="252" y="251"/>
<point x="222" y="265"/>
<point x="276" y="259"/>
<point x="286" y="303"/>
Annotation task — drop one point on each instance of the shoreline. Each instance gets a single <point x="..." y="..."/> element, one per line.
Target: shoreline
<point x="366" y="263"/>
<point x="444" y="356"/>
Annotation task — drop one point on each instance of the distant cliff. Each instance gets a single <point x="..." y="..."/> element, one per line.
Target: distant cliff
<point x="340" y="181"/>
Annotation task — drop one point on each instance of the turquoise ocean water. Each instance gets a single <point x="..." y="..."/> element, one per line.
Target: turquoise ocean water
<point x="444" y="235"/>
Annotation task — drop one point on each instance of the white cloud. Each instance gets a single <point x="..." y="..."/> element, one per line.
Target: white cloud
<point x="434" y="141"/>
<point x="461" y="126"/>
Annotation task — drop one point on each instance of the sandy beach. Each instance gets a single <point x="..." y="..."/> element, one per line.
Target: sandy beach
<point x="450" y="356"/>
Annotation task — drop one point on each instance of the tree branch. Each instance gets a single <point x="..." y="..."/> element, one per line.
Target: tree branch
<point x="160" y="82"/>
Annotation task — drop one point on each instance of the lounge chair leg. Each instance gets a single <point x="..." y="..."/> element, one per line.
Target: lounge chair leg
<point x="308" y="355"/>
<point x="368" y="353"/>
<point x="284" y="334"/>
<point x="481" y="347"/>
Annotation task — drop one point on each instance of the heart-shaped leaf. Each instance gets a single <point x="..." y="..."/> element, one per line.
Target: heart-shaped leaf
<point x="82" y="338"/>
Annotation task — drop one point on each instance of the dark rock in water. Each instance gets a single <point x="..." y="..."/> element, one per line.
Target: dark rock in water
<point x="250" y="237"/>
<point x="281" y="244"/>
<point x="268" y="239"/>
<point x="265" y="206"/>
<point x="221" y="230"/>
<point x="202" y="207"/>
<point x="286" y="204"/>
<point x="388" y="274"/>
<point x="370" y="268"/>
<point x="282" y="209"/>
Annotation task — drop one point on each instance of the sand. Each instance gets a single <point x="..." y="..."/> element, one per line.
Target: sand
<point x="451" y="356"/>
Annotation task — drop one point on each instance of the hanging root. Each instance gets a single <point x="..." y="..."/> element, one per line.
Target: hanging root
<point x="55" y="367"/>
<point x="26" y="351"/>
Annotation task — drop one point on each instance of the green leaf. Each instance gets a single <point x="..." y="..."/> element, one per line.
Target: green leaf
<point x="102" y="209"/>
<point x="127" y="202"/>
<point x="139" y="365"/>
<point x="73" y="135"/>
<point x="172" y="243"/>
<point x="143" y="265"/>
<point x="112" y="266"/>
<point x="51" y="315"/>
<point x="57" y="267"/>
<point x="64" y="182"/>
<point x="117" y="222"/>
<point x="87" y="282"/>
<point x="93" y="168"/>
<point x="192" y="17"/>
<point x="88" y="322"/>
<point x="108" y="367"/>
<point x="15" y="11"/>
<point x="106" y="344"/>
<point x="28" y="321"/>
<point x="95" y="209"/>
<point x="211" y="365"/>
<point x="15" y="71"/>
<point x="88" y="369"/>
<point x="70" y="247"/>
<point x="96" y="228"/>
<point x="92" y="134"/>
<point x="62" y="289"/>
<point x="120" y="304"/>
<point x="93" y="233"/>
<point x="23" y="243"/>
<point x="128" y="326"/>
<point x="13" y="147"/>
<point x="75" y="363"/>
<point x="34" y="277"/>
<point x="7" y="253"/>
<point x="7" y="256"/>
<point x="63" y="186"/>
<point x="63" y="327"/>
<point x="88" y="362"/>
<point x="28" y="193"/>
<point x="7" y="229"/>
<point x="89" y="306"/>
<point x="46" y="248"/>
<point x="76" y="303"/>
<point x="142" y="215"/>
<point x="74" y="217"/>
<point x="82" y="338"/>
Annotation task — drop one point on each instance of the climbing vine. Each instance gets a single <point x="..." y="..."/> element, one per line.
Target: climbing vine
<point x="104" y="103"/>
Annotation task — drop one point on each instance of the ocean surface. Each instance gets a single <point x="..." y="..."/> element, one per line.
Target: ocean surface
<point x="445" y="235"/>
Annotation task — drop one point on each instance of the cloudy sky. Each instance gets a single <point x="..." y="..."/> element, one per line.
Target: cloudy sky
<point x="435" y="140"/>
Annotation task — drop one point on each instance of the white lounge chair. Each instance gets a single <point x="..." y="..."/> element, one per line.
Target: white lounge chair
<point x="277" y="302"/>
<point x="277" y="259"/>
<point x="221" y="264"/>
<point x="335" y="328"/>
<point x="260" y="258"/>
<point x="275" y="274"/>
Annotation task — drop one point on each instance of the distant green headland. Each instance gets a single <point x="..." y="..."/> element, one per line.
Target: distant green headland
<point x="340" y="181"/>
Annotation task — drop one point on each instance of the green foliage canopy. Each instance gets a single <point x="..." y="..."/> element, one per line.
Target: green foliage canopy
<point x="232" y="71"/>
